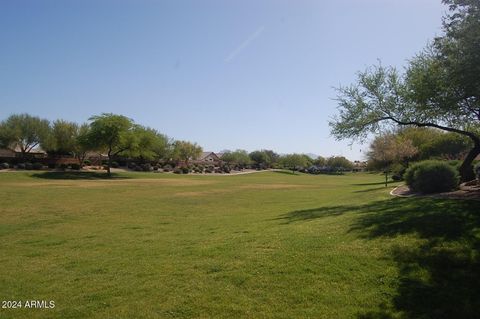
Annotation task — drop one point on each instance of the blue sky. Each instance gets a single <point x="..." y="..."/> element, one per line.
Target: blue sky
<point x="245" y="74"/>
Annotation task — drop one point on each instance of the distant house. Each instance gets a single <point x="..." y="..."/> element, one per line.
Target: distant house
<point x="17" y="153"/>
<point x="359" y="166"/>
<point x="208" y="157"/>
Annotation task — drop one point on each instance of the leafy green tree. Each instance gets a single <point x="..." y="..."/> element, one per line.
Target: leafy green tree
<point x="24" y="132"/>
<point x="440" y="88"/>
<point x="260" y="158"/>
<point x="294" y="161"/>
<point x="239" y="157"/>
<point x="62" y="139"/>
<point x="112" y="133"/>
<point x="320" y="161"/>
<point x="186" y="151"/>
<point x="162" y="147"/>
<point x="83" y="143"/>
<point x="339" y="163"/>
<point x="390" y="148"/>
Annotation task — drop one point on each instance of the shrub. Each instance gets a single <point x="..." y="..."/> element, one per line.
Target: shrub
<point x="398" y="170"/>
<point x="75" y="166"/>
<point x="155" y="168"/>
<point x="20" y="166"/>
<point x="208" y="170"/>
<point x="138" y="169"/>
<point x="114" y="165"/>
<point x="185" y="170"/>
<point x="431" y="177"/>
<point x="131" y="165"/>
<point x="177" y="171"/>
<point x="87" y="162"/>
<point x="146" y="167"/>
<point x="477" y="170"/>
<point x="226" y="169"/>
<point x="63" y="166"/>
<point x="28" y="166"/>
<point x="37" y="166"/>
<point x="4" y="166"/>
<point x="51" y="165"/>
<point x="167" y="169"/>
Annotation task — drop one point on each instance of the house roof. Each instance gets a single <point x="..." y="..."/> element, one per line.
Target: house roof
<point x="7" y="152"/>
<point x="206" y="154"/>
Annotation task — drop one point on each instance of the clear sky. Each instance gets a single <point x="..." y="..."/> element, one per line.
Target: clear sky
<point x="245" y="74"/>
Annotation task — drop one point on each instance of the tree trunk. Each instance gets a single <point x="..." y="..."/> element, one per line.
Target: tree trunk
<point x="109" y="164"/>
<point x="466" y="169"/>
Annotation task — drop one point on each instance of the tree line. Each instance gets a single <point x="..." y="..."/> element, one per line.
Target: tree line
<point x="119" y="136"/>
<point x="112" y="134"/>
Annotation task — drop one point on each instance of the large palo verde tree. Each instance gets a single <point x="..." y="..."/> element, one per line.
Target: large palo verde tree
<point x="440" y="88"/>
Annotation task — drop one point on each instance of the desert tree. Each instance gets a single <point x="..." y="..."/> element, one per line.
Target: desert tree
<point x="186" y="151"/>
<point x="293" y="161"/>
<point x="440" y="88"/>
<point x="23" y="132"/>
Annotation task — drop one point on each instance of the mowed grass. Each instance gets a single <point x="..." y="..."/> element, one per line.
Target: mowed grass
<point x="265" y="245"/>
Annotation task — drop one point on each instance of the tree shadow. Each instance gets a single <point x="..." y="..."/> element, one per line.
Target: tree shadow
<point x="78" y="175"/>
<point x="371" y="189"/>
<point x="376" y="183"/>
<point x="440" y="277"/>
<point x="314" y="213"/>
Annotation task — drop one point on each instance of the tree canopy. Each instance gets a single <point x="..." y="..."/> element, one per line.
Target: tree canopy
<point x="23" y="131"/>
<point x="434" y="91"/>
<point x="186" y="151"/>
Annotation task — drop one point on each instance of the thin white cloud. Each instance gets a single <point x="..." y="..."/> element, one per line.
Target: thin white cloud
<point x="244" y="44"/>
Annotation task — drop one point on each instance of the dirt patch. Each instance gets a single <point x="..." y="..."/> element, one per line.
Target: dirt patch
<point x="466" y="191"/>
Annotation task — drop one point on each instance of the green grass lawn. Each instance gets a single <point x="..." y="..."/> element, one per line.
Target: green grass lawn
<point x="266" y="245"/>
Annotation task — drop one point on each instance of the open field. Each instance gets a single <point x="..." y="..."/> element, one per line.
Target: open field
<point x="266" y="245"/>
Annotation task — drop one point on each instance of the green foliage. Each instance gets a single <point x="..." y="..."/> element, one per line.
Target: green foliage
<point x="21" y="166"/>
<point x="440" y="88"/>
<point x="23" y="131"/>
<point x="263" y="158"/>
<point x="320" y="161"/>
<point x="112" y="133"/>
<point x="339" y="163"/>
<point x="28" y="166"/>
<point x="390" y="148"/>
<point x="294" y="161"/>
<point x="62" y="138"/>
<point x="431" y="177"/>
<point x="398" y="170"/>
<point x="239" y="157"/>
<point x="4" y="166"/>
<point x="185" y="151"/>
<point x="477" y="170"/>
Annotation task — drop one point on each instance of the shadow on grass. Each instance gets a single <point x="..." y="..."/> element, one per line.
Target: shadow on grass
<point x="78" y="175"/>
<point x="440" y="277"/>
<point x="376" y="183"/>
